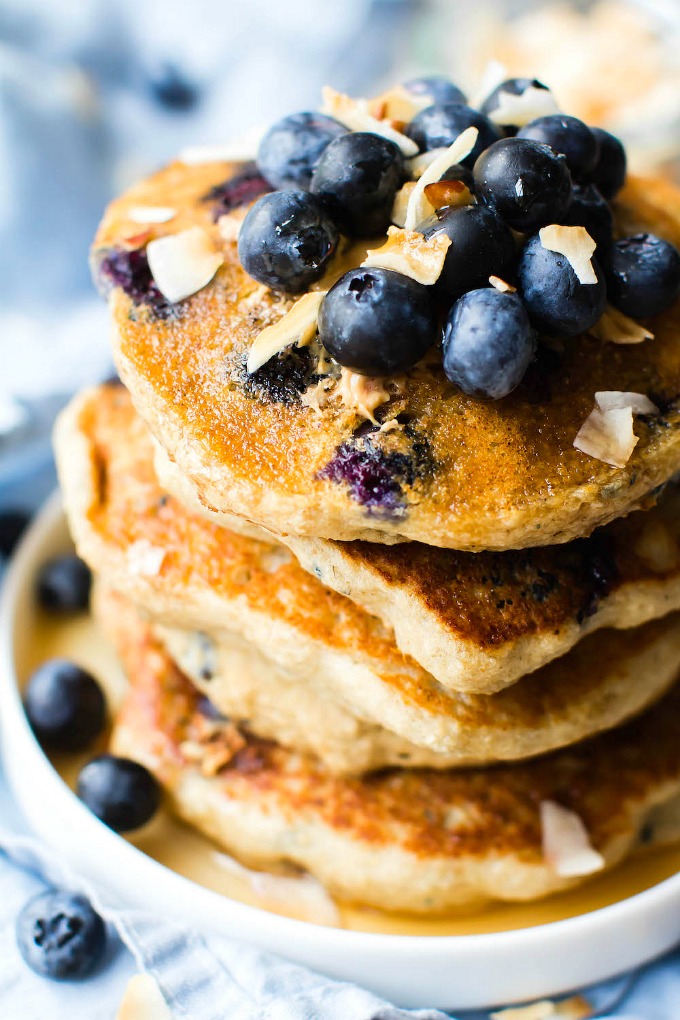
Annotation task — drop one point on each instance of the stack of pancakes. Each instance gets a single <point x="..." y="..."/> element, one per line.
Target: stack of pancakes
<point x="428" y="658"/>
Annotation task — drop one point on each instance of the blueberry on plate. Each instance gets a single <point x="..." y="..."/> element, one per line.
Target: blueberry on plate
<point x="357" y="178"/>
<point x="556" y="301"/>
<point x="481" y="246"/>
<point x="60" y="936"/>
<point x="12" y="525"/>
<point x="511" y="87"/>
<point x="488" y="343"/>
<point x="526" y="182"/>
<point x="120" y="792"/>
<point x="65" y="706"/>
<point x="290" y="150"/>
<point x="609" y="172"/>
<point x="63" y="584"/>
<point x="569" y="136"/>
<point x="643" y="275"/>
<point x="286" y="240"/>
<point x="438" y="126"/>
<point x="439" y="88"/>
<point x="589" y="209"/>
<point x="377" y="322"/>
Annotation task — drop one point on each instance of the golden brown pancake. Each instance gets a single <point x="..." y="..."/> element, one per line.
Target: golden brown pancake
<point x="457" y="472"/>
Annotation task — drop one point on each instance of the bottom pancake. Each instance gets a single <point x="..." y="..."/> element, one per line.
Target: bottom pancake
<point x="408" y="840"/>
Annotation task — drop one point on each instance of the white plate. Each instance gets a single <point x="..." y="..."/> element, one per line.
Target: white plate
<point x="468" y="971"/>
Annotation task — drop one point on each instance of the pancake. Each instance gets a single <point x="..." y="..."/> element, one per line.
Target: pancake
<point x="186" y="573"/>
<point x="454" y="472"/>
<point x="407" y="840"/>
<point x="478" y="621"/>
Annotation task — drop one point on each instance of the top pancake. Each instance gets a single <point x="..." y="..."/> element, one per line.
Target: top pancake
<point x="457" y="472"/>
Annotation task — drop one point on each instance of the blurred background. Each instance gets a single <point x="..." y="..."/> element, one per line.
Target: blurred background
<point x="95" y="93"/>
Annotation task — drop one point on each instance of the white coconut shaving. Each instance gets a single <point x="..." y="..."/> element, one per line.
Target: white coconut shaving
<point x="302" y="893"/>
<point x="520" y="110"/>
<point x="355" y="114"/>
<point x="297" y="326"/>
<point x="410" y="253"/>
<point x="151" y="213"/>
<point x="184" y="263"/>
<point x="566" y="844"/>
<point x="577" y="246"/>
<point x="418" y="207"/>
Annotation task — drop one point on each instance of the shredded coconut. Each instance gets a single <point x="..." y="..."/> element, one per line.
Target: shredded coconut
<point x="577" y="246"/>
<point x="502" y="286"/>
<point x="410" y="253"/>
<point x="617" y="328"/>
<point x="418" y="206"/>
<point x="298" y="326"/>
<point x="566" y="844"/>
<point x="151" y="213"/>
<point x="355" y="114"/>
<point x="184" y="263"/>
<point x="520" y="110"/>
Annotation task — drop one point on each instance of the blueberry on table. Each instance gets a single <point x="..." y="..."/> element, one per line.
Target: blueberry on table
<point x="643" y="275"/>
<point x="524" y="181"/>
<point x="481" y="246"/>
<point x="438" y="126"/>
<point x="289" y="152"/>
<point x="511" y="87"/>
<point x="556" y="301"/>
<point x="120" y="792"/>
<point x="286" y="240"/>
<point x="590" y="210"/>
<point x="377" y="322"/>
<point x="569" y="136"/>
<point x="609" y="172"/>
<point x="63" y="584"/>
<point x="357" y="178"/>
<point x="65" y="706"/>
<point x="12" y="524"/>
<point x="439" y="88"/>
<point x="60" y="936"/>
<point x="487" y="343"/>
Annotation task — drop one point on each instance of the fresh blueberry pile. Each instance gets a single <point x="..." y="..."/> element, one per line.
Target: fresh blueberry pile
<point x="331" y="181"/>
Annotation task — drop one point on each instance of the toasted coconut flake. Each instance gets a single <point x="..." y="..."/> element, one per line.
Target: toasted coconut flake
<point x="418" y="205"/>
<point x="397" y="104"/>
<point x="410" y="253"/>
<point x="608" y="436"/>
<point x="519" y="110"/>
<point x="566" y="844"/>
<point x="574" y="1008"/>
<point x="577" y="246"/>
<point x="401" y="203"/>
<point x="361" y="393"/>
<point x="298" y="326"/>
<point x="419" y="164"/>
<point x="355" y="115"/>
<point x="230" y="224"/>
<point x="613" y="400"/>
<point x="658" y="548"/>
<point x="145" y="559"/>
<point x="617" y="328"/>
<point x="182" y="264"/>
<point x="151" y="213"/>
<point x="502" y="286"/>
<point x="448" y="194"/>
<point x="143" y="1000"/>
<point x="302" y="892"/>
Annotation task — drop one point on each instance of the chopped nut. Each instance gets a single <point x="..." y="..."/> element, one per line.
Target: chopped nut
<point x="145" y="559"/>
<point x="418" y="206"/>
<point x="449" y="194"/>
<point x="298" y="325"/>
<point x="566" y="844"/>
<point x="182" y="264"/>
<point x="143" y="1000"/>
<point x="151" y="213"/>
<point x="502" y="286"/>
<point x="617" y="328"/>
<point x="519" y="110"/>
<point x="577" y="246"/>
<point x="361" y="393"/>
<point x="355" y="115"/>
<point x="401" y="203"/>
<point x="408" y="252"/>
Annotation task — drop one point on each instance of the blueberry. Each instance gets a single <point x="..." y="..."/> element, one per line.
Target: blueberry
<point x="129" y="269"/>
<point x="12" y="525"/>
<point x="65" y="706"/>
<point x="513" y="87"/>
<point x="357" y="178"/>
<point x="569" y="136"/>
<point x="171" y="89"/>
<point x="555" y="299"/>
<point x="643" y="275"/>
<point x="377" y="322"/>
<point x="240" y="189"/>
<point x="439" y="88"/>
<point x="289" y="152"/>
<point x="588" y="209"/>
<point x="458" y="172"/>
<point x="63" y="585"/>
<point x="481" y="246"/>
<point x="286" y="240"/>
<point x="609" y="172"/>
<point x="120" y="792"/>
<point x="488" y="343"/>
<point x="60" y="936"/>
<point x="438" y="126"/>
<point x="527" y="183"/>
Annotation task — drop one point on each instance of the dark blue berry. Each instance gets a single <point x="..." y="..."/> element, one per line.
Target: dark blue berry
<point x="643" y="275"/>
<point x="129" y="269"/>
<point x="60" y="936"/>
<point x="526" y="182"/>
<point x="171" y="89"/>
<point x="514" y="87"/>
<point x="63" y="584"/>
<point x="120" y="792"/>
<point x="439" y="88"/>
<point x="609" y="172"/>
<point x="374" y="478"/>
<point x="438" y="126"/>
<point x="357" y="178"/>
<point x="569" y="136"/>
<point x="458" y="172"/>
<point x="65" y="706"/>
<point x="488" y="343"/>
<point x="588" y="209"/>
<point x="241" y="189"/>
<point x="377" y="322"/>
<point x="481" y="246"/>
<point x="289" y="152"/>
<point x="12" y="525"/>
<point x="286" y="240"/>
<point x="556" y="301"/>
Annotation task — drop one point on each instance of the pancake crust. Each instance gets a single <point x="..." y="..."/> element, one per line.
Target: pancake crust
<point x="187" y="573"/>
<point x="409" y="840"/>
<point x="457" y="472"/>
